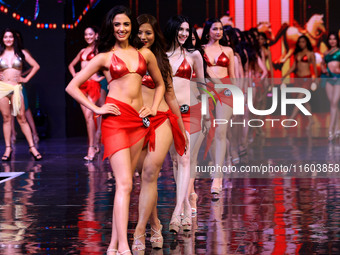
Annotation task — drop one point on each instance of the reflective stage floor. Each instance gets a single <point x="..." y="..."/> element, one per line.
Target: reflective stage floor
<point x="63" y="205"/>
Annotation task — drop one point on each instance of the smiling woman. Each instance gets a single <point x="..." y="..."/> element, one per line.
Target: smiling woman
<point x="123" y="129"/>
<point x="90" y="88"/>
<point x="11" y="98"/>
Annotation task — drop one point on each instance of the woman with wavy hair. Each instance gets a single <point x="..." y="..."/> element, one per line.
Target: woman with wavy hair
<point x="168" y="128"/>
<point x="125" y="125"/>
<point x="12" y="57"/>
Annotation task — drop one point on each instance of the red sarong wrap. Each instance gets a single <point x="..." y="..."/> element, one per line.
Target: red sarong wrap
<point x="225" y="96"/>
<point x="122" y="131"/>
<point x="211" y="133"/>
<point x="192" y="119"/>
<point x="91" y="88"/>
<point x="178" y="136"/>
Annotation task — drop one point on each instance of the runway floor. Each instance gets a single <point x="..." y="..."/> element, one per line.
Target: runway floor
<point x="63" y="205"/>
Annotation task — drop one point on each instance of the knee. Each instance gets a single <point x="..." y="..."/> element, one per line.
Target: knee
<point x="88" y="118"/>
<point x="21" y="119"/>
<point x="150" y="173"/>
<point x="185" y="160"/>
<point x="124" y="186"/>
<point x="221" y="134"/>
<point x="6" y="118"/>
<point x="334" y="104"/>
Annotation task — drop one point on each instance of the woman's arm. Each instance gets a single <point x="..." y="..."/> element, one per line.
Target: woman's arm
<point x="263" y="68"/>
<point x="74" y="62"/>
<point x="35" y="67"/>
<point x="156" y="76"/>
<point x="270" y="61"/>
<point x="291" y="69"/>
<point x="96" y="64"/>
<point x="314" y="65"/>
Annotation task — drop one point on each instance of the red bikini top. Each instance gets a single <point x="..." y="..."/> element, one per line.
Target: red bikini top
<point x="222" y="60"/>
<point x="303" y="59"/>
<point x="88" y="57"/>
<point x="148" y="82"/>
<point x="184" y="70"/>
<point x="119" y="69"/>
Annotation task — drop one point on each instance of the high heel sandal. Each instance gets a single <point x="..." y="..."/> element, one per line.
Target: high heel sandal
<point x="187" y="223"/>
<point x="157" y="241"/>
<point x="36" y="157"/>
<point x="337" y="134"/>
<point x="7" y="158"/>
<point x="138" y="247"/>
<point x="175" y="223"/>
<point x="193" y="202"/>
<point x="216" y="190"/>
<point x="91" y="158"/>
<point x="123" y="252"/>
<point x="331" y="136"/>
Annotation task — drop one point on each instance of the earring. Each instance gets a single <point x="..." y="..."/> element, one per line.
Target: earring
<point x="207" y="36"/>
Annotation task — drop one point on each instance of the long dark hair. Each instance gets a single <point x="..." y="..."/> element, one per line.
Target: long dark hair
<point x="336" y="38"/>
<point x="206" y="29"/>
<point x="16" y="44"/>
<point x="107" y="40"/>
<point x="238" y="46"/>
<point x="171" y="32"/>
<point x="158" y="46"/>
<point x="265" y="39"/>
<point x="297" y="46"/>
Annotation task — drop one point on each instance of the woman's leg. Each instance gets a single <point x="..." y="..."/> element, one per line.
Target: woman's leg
<point x="222" y="112"/>
<point x="13" y="132"/>
<point x="191" y="190"/>
<point x="91" y="129"/>
<point x="30" y="120"/>
<point x="123" y="164"/>
<point x="151" y="168"/>
<point x="333" y="93"/>
<point x="26" y="130"/>
<point x="182" y="186"/>
<point x="6" y="118"/>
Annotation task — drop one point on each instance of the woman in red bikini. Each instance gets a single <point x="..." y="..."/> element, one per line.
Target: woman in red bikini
<point x="303" y="58"/>
<point x="220" y="62"/>
<point x="184" y="62"/>
<point x="12" y="58"/>
<point x="168" y="126"/>
<point x="90" y="88"/>
<point x="125" y="124"/>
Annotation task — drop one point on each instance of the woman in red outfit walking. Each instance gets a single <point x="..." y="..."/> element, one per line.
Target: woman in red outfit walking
<point x="90" y="88"/>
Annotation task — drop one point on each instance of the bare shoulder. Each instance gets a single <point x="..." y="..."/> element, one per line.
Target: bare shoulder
<point x="227" y="49"/>
<point x="194" y="54"/>
<point x="145" y="52"/>
<point x="26" y="52"/>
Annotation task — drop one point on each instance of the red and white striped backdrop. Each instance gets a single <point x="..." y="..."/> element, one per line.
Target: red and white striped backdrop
<point x="248" y="13"/>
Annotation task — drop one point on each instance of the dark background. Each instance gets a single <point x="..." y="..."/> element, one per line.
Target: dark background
<point x="54" y="49"/>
